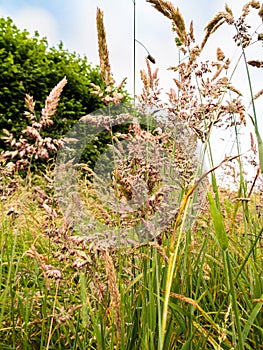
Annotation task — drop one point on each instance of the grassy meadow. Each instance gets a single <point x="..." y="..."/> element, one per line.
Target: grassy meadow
<point x="60" y="292"/>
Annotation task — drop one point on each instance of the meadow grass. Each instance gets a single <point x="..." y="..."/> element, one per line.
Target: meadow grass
<point x="198" y="285"/>
<point x="97" y="302"/>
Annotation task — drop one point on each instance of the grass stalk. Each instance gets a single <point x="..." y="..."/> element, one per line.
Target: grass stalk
<point x="240" y="344"/>
<point x="52" y="316"/>
<point x="254" y="118"/>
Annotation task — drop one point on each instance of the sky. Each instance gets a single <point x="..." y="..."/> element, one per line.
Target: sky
<point x="74" y="23"/>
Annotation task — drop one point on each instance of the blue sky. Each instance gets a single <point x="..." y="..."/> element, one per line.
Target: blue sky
<point x="74" y="23"/>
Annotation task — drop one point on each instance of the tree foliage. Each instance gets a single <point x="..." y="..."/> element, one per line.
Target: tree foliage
<point x="29" y="66"/>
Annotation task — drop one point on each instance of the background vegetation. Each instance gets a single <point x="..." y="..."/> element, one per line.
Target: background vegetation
<point x="30" y="66"/>
<point x="197" y="285"/>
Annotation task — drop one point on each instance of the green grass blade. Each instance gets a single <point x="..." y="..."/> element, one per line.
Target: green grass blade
<point x="218" y="223"/>
<point x="252" y="318"/>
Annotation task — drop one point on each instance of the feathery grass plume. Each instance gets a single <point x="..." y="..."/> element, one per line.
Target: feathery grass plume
<point x="114" y="291"/>
<point x="260" y="12"/>
<point x="105" y="68"/>
<point x="246" y="8"/>
<point x="258" y="94"/>
<point x="228" y="10"/>
<point x="191" y="31"/>
<point x="51" y="103"/>
<point x="30" y="105"/>
<point x="169" y="11"/>
<point x="111" y="94"/>
<point x="238" y="92"/>
<point x="151" y="91"/>
<point x="216" y="22"/>
<point x="220" y="54"/>
<point x="179" y="25"/>
<point x="34" y="146"/>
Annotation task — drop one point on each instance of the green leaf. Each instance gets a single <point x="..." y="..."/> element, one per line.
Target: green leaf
<point x="218" y="223"/>
<point x="252" y="318"/>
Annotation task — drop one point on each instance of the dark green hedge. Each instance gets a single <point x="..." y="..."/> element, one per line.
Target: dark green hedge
<point x="29" y="66"/>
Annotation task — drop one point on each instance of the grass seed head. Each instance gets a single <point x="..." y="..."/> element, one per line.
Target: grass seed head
<point x="103" y="49"/>
<point x="114" y="291"/>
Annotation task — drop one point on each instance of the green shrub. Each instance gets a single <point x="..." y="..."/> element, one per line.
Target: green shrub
<point x="29" y="66"/>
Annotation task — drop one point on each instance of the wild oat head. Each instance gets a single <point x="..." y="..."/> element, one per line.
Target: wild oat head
<point x="105" y="68"/>
<point x="228" y="10"/>
<point x="243" y="36"/>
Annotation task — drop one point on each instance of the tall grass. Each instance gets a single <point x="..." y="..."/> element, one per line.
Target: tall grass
<point x="215" y="294"/>
<point x="198" y="285"/>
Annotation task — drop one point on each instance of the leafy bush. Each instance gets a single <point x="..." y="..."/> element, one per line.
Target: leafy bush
<point x="29" y="66"/>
